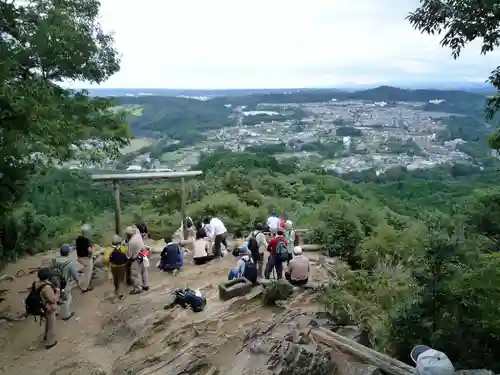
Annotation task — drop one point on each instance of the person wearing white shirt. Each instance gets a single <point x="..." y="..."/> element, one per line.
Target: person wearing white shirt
<point x="216" y="229"/>
<point x="273" y="223"/>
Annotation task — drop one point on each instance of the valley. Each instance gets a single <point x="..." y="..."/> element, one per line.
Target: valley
<point x="342" y="135"/>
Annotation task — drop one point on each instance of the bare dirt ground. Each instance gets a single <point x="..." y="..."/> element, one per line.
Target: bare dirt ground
<point x="136" y="336"/>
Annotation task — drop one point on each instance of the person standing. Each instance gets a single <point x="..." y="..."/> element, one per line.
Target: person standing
<point x="290" y="237"/>
<point x="49" y="295"/>
<point x="138" y="270"/>
<point x="216" y="229"/>
<point x="278" y="253"/>
<point x="143" y="229"/>
<point x="84" y="257"/>
<point x="66" y="271"/>
<point x="273" y="222"/>
<point x="116" y="255"/>
<point x="257" y="244"/>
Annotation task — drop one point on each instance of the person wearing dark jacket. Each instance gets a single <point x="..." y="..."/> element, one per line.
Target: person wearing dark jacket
<point x="172" y="256"/>
<point x="143" y="229"/>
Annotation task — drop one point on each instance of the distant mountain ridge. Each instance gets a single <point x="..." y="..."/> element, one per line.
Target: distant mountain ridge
<point x="381" y="93"/>
<point x="388" y="93"/>
<point x="249" y="97"/>
<point x="185" y="119"/>
<point x="470" y="87"/>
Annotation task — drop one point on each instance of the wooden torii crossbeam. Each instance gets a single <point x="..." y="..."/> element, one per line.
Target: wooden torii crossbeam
<point x="117" y="177"/>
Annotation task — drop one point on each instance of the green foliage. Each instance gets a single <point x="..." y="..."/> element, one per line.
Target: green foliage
<point x="276" y="291"/>
<point x="348" y="131"/>
<point x="484" y="214"/>
<point x="456" y="298"/>
<point x="43" y="44"/>
<point x="182" y="119"/>
<point x="414" y="193"/>
<point x="457" y="21"/>
<point x="341" y="232"/>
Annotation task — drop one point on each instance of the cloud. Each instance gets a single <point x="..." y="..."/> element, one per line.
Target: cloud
<point x="278" y="43"/>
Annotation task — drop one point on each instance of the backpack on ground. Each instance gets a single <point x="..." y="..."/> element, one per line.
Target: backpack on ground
<point x="33" y="302"/>
<point x="189" y="298"/>
<point x="281" y="251"/>
<point x="117" y="257"/>
<point x="250" y="273"/>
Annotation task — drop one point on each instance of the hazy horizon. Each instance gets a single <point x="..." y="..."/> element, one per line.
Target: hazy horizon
<point x="418" y="85"/>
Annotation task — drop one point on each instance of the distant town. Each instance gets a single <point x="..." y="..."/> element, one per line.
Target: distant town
<point x="383" y="136"/>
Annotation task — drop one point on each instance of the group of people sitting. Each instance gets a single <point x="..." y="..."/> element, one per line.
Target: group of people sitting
<point x="204" y="241"/>
<point x="278" y="239"/>
<point x="282" y="245"/>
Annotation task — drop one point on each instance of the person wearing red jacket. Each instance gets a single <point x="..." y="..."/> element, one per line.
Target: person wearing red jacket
<point x="272" y="261"/>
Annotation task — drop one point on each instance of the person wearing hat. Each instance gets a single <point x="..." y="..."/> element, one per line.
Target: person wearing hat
<point x="84" y="257"/>
<point x="116" y="256"/>
<point x="49" y="294"/>
<point x="138" y="270"/>
<point x="298" y="268"/>
<point x="429" y="361"/>
<point x="65" y="269"/>
<point x="290" y="237"/>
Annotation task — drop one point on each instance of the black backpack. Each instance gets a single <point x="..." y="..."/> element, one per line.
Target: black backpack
<point x="250" y="272"/>
<point x="117" y="257"/>
<point x="33" y="302"/>
<point x="253" y="245"/>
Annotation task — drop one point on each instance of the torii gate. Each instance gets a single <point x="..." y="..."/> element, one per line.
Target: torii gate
<point x="117" y="177"/>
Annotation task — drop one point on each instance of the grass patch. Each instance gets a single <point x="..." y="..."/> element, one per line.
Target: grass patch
<point x="136" y="144"/>
<point x="172" y="157"/>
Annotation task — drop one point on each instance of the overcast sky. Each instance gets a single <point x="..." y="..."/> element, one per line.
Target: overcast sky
<point x="278" y="43"/>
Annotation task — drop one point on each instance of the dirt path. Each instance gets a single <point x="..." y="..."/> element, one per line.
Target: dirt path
<point x="104" y="329"/>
